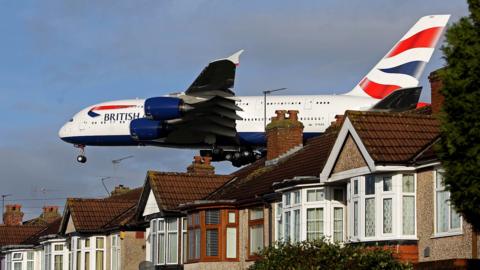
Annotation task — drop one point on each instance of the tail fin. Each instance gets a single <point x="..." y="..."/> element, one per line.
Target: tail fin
<point x="405" y="62"/>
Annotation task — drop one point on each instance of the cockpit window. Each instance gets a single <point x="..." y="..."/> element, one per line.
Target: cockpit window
<point x="71" y="120"/>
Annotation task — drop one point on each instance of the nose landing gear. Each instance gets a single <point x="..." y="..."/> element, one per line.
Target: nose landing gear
<point x="81" y="158"/>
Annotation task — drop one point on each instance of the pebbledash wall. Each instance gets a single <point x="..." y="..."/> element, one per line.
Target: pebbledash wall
<point x="433" y="245"/>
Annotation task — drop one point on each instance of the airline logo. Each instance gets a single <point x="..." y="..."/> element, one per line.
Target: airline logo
<point x="405" y="62"/>
<point x="91" y="112"/>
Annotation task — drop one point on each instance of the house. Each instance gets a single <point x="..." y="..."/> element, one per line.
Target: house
<point x="102" y="233"/>
<point x="166" y="233"/>
<point x="20" y="242"/>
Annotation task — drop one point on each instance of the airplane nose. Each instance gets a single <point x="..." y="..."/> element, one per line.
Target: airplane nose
<point x="62" y="133"/>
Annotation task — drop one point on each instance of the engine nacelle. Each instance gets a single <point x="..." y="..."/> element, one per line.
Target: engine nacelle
<point x="143" y="129"/>
<point x="163" y="108"/>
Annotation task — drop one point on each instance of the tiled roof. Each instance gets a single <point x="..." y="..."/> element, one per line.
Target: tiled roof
<point x="394" y="137"/>
<point x="256" y="179"/>
<point x="171" y="189"/>
<point x="93" y="215"/>
<point x="51" y="229"/>
<point x="16" y="235"/>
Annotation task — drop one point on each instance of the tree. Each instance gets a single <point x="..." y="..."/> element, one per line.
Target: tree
<point x="459" y="147"/>
<point x="321" y="254"/>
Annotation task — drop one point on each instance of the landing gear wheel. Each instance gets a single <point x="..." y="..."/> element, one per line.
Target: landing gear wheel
<point x="81" y="158"/>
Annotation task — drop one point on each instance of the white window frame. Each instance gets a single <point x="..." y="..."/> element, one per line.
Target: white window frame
<point x="115" y="248"/>
<point x="156" y="231"/>
<point x="92" y="250"/>
<point x="450" y="231"/>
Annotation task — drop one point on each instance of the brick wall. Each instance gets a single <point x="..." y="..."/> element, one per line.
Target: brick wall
<point x="436" y="85"/>
<point x="13" y="215"/>
<point x="283" y="133"/>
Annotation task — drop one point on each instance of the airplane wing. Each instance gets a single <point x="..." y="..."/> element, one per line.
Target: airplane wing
<point x="216" y="79"/>
<point x="212" y="120"/>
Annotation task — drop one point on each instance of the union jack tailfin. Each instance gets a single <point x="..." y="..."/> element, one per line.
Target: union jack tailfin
<point x="405" y="62"/>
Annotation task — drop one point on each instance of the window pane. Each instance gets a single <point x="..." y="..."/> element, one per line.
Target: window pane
<point x="442" y="211"/>
<point x="369" y="185"/>
<point x="370" y="217"/>
<point x="355" y="186"/>
<point x="315" y="195"/>
<point x="212" y="217"/>
<point x="197" y="243"/>
<point x="87" y="242"/>
<point x="161" y="248"/>
<point x="298" y="197"/>
<point x="58" y="247"/>
<point x="408" y="183"/>
<point x="454" y="219"/>
<point x="287" y="225"/>
<point x="387" y="183"/>
<point x="185" y="247"/>
<point x="355" y="219"/>
<point x="408" y="215"/>
<point x="87" y="260"/>
<point x="153" y="227"/>
<point x="256" y="213"/>
<point x="296" y="225"/>
<point x="212" y="242"/>
<point x="196" y="218"/>
<point x="231" y="217"/>
<point x="154" y="248"/>
<point x="79" y="260"/>
<point x="17" y="266"/>
<point x="191" y="244"/>
<point x="338" y="224"/>
<point x="172" y="248"/>
<point x="99" y="242"/>
<point x="387" y="215"/>
<point x="58" y="262"/>
<point x="314" y="223"/>
<point x="30" y="255"/>
<point x="287" y="198"/>
<point x="439" y="182"/>
<point x="30" y="266"/>
<point x="184" y="224"/>
<point x="161" y="225"/>
<point x="231" y="242"/>
<point x="99" y="260"/>
<point x="172" y="224"/>
<point x="256" y="239"/>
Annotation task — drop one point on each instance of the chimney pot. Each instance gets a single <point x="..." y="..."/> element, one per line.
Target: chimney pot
<point x="280" y="114"/>
<point x="50" y="213"/>
<point x="201" y="166"/>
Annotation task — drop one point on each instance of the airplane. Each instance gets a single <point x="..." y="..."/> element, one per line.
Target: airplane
<point x="209" y="117"/>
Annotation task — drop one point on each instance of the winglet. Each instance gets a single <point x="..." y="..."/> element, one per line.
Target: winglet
<point x="235" y="58"/>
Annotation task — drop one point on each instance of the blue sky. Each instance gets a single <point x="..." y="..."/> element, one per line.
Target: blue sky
<point x="57" y="57"/>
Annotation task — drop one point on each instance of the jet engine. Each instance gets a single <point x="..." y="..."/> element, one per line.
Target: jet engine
<point x="164" y="108"/>
<point x="143" y="129"/>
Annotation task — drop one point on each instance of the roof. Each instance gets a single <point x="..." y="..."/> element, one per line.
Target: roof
<point x="95" y="215"/>
<point x="51" y="229"/>
<point x="394" y="137"/>
<point x="16" y="235"/>
<point x="172" y="189"/>
<point x="257" y="179"/>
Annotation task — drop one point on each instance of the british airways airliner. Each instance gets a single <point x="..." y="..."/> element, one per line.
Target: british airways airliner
<point x="208" y="115"/>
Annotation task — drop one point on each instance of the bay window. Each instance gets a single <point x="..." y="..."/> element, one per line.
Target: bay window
<point x="231" y="235"/>
<point x="194" y="236"/>
<point x="337" y="224"/>
<point x="447" y="219"/>
<point x="279" y="224"/>
<point x="212" y="223"/>
<point x="88" y="252"/>
<point x="408" y="204"/>
<point x="369" y="206"/>
<point x="296" y="225"/>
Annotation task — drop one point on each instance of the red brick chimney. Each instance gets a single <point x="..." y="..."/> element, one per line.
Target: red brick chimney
<point x="13" y="215"/>
<point x="50" y="213"/>
<point x="283" y="133"/>
<point x="201" y="166"/>
<point x="436" y="85"/>
<point x="120" y="189"/>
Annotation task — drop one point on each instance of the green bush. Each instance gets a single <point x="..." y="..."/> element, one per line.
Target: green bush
<point x="321" y="254"/>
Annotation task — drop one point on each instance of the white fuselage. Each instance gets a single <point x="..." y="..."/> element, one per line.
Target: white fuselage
<point x="108" y="123"/>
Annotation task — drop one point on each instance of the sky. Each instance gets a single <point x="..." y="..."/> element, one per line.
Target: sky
<point x="57" y="57"/>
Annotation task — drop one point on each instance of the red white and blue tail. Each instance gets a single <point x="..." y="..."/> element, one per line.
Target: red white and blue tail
<point x="404" y="63"/>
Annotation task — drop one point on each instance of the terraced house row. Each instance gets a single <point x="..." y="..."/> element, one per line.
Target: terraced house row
<point x="373" y="179"/>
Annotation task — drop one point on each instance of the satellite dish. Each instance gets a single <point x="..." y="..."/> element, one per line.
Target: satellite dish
<point x="146" y="265"/>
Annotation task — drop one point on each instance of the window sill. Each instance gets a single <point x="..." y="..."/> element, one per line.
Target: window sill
<point x="446" y="234"/>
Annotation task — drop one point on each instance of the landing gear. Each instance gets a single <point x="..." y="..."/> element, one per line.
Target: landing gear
<point x="238" y="158"/>
<point x="81" y="158"/>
